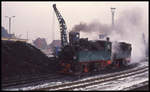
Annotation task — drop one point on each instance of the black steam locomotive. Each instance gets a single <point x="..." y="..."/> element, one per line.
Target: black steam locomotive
<point x="83" y="55"/>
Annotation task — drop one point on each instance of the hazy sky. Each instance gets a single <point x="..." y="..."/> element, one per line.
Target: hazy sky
<point x="39" y="19"/>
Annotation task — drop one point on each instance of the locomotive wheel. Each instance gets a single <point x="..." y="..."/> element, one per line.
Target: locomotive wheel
<point x="78" y="69"/>
<point x="116" y="64"/>
<point x="98" y="67"/>
<point x="125" y="63"/>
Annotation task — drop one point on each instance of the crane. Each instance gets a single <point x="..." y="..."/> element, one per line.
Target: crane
<point x="63" y="27"/>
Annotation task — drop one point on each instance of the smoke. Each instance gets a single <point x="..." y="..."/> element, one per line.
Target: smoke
<point x="92" y="27"/>
<point x="128" y="28"/>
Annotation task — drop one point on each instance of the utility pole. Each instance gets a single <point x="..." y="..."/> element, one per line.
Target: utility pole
<point x="113" y="13"/>
<point x="9" y="22"/>
<point x="27" y="35"/>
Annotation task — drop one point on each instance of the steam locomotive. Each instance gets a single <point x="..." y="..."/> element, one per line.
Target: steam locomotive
<point x="83" y="55"/>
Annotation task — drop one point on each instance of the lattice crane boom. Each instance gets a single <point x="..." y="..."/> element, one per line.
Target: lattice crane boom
<point x="62" y="25"/>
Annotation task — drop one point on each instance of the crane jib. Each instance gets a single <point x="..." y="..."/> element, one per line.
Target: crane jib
<point x="62" y="25"/>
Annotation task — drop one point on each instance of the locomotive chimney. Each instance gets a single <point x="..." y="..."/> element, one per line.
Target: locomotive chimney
<point x="107" y="39"/>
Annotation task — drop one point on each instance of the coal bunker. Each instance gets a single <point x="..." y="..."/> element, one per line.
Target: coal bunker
<point x="22" y="59"/>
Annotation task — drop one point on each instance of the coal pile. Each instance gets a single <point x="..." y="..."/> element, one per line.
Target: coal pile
<point x="21" y="59"/>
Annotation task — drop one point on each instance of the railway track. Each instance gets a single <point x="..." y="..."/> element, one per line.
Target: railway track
<point x="11" y="83"/>
<point x="96" y="80"/>
<point x="141" y="86"/>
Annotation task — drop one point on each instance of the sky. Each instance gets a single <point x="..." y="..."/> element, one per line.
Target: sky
<point x="39" y="20"/>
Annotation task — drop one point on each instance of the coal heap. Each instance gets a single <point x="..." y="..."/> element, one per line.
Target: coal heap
<point x="20" y="59"/>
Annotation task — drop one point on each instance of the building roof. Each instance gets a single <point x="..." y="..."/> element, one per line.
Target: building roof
<point x="55" y="43"/>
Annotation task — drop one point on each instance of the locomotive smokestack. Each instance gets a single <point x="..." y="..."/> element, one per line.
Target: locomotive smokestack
<point x="107" y="39"/>
<point x="113" y="12"/>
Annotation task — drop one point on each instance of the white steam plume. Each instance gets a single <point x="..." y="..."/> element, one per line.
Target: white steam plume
<point x="129" y="27"/>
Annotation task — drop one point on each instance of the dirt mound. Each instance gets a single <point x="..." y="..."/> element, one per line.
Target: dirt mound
<point x="20" y="59"/>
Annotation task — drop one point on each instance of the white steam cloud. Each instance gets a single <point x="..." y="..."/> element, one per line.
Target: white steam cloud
<point x="129" y="28"/>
